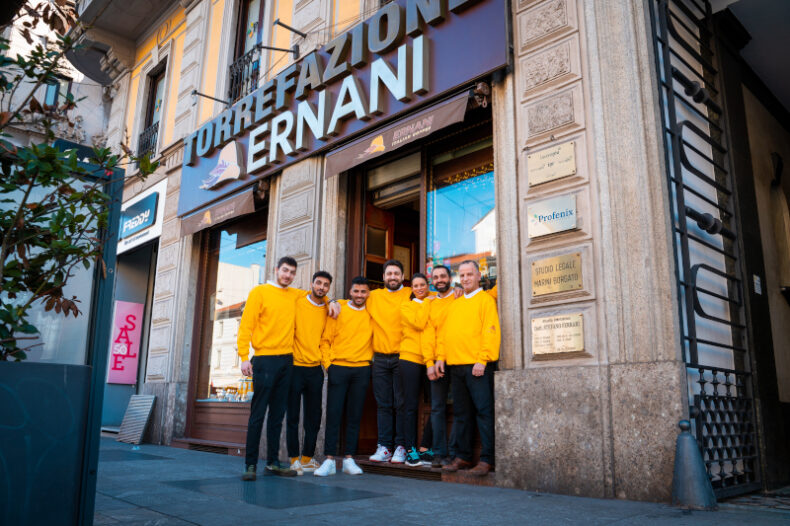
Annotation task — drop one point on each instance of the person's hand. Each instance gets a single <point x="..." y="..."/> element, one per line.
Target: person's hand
<point x="246" y="368"/>
<point x="334" y="310"/>
<point x="439" y="368"/>
<point x="458" y="292"/>
<point x="479" y="369"/>
<point x="432" y="373"/>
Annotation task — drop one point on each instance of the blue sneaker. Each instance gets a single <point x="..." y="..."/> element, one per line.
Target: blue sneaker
<point x="413" y="458"/>
<point x="426" y="457"/>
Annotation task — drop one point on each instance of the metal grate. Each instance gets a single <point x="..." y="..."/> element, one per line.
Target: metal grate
<point x="135" y="420"/>
<point x="244" y="74"/>
<point x="209" y="449"/>
<point x="708" y="266"/>
<point x="147" y="142"/>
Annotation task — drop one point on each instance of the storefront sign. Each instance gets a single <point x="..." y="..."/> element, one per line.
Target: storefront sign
<point x="557" y="335"/>
<point x="552" y="163"/>
<point x="142" y="217"/>
<point x="125" y="345"/>
<point x="238" y="205"/>
<point x="407" y="54"/>
<point x="397" y="135"/>
<point x="557" y="274"/>
<point x="552" y="215"/>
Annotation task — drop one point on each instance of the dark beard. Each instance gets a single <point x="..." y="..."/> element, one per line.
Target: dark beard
<point x="386" y="284"/>
<point x="445" y="289"/>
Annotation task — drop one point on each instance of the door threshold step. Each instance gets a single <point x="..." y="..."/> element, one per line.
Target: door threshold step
<point x="423" y="473"/>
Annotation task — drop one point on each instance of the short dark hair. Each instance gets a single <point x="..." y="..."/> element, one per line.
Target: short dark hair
<point x="419" y="275"/>
<point x="393" y="263"/>
<point x="322" y="274"/>
<point x="445" y="267"/>
<point x="286" y="260"/>
<point x="360" y="280"/>
<point x="470" y="262"/>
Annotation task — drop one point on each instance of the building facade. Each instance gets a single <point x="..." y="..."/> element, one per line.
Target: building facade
<point x="605" y="162"/>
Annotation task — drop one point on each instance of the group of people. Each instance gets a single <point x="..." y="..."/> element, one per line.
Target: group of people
<point x="398" y="337"/>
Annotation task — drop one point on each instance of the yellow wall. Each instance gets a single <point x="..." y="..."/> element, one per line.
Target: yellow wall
<point x="212" y="67"/>
<point x="345" y="13"/>
<point x="281" y="37"/>
<point x="172" y="94"/>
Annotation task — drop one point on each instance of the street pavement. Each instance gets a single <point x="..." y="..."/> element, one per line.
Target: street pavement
<point x="163" y="486"/>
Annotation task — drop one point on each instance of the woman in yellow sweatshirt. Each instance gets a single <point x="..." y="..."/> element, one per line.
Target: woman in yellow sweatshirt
<point x="417" y="332"/>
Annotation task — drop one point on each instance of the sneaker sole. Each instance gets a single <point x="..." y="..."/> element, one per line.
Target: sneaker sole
<point x="397" y="462"/>
<point x="309" y="470"/>
<point x="386" y="460"/>
<point x="347" y="473"/>
<point x="282" y="473"/>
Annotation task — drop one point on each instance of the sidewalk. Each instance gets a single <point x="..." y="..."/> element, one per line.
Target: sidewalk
<point x="164" y="486"/>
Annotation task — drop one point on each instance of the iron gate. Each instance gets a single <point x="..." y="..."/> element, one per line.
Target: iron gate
<point x="711" y="286"/>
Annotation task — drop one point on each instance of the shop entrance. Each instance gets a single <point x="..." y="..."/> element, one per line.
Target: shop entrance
<point x="431" y="205"/>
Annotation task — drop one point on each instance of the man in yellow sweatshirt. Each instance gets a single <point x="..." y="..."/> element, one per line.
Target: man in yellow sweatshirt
<point x="440" y="382"/>
<point x="384" y="308"/>
<point x="346" y="352"/>
<point x="469" y="346"/>
<point x="267" y="324"/>
<point x="307" y="380"/>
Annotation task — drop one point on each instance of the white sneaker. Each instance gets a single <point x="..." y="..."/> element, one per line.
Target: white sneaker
<point x="382" y="454"/>
<point x="326" y="469"/>
<point x="399" y="457"/>
<point x="311" y="466"/>
<point x="297" y="466"/>
<point x="350" y="467"/>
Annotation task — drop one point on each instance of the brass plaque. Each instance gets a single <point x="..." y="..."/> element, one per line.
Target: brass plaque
<point x="557" y="334"/>
<point x="557" y="274"/>
<point x="552" y="163"/>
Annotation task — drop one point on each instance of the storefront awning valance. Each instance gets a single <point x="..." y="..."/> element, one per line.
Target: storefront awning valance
<point x="235" y="206"/>
<point x="397" y="134"/>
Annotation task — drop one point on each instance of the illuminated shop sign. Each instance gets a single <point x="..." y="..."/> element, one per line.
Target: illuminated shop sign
<point x="408" y="53"/>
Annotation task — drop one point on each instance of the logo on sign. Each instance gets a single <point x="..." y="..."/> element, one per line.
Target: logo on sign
<point x="139" y="216"/>
<point x="552" y="215"/>
<point x="228" y="168"/>
<point x="376" y="146"/>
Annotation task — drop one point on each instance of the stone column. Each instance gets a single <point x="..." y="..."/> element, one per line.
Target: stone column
<point x="600" y="422"/>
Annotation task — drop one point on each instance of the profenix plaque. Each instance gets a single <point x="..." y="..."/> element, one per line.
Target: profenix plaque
<point x="557" y="274"/>
<point x="552" y="163"/>
<point x="550" y="216"/>
<point x="557" y="335"/>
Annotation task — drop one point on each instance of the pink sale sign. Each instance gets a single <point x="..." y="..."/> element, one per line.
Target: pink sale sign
<point x="125" y="345"/>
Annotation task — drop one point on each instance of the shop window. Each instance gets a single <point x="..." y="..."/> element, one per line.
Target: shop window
<point x="237" y="263"/>
<point x="58" y="92"/>
<point x="460" y="211"/>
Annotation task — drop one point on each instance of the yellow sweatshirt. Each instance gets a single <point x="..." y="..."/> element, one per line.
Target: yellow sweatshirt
<point x="493" y="292"/>
<point x="309" y="325"/>
<point x="384" y="308"/>
<point x="436" y="318"/>
<point x="417" y="331"/>
<point x="348" y="339"/>
<point x="268" y="321"/>
<point x="471" y="331"/>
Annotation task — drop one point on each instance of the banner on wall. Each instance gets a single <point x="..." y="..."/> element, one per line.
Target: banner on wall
<point x="125" y="344"/>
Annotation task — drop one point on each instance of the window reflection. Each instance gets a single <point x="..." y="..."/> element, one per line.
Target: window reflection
<point x="241" y="267"/>
<point x="461" y="221"/>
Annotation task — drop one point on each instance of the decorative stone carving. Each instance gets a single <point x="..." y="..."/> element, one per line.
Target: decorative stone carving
<point x="295" y="243"/>
<point x="547" y="66"/>
<point x="160" y="338"/>
<point x="545" y="21"/>
<point x="156" y="368"/>
<point x="162" y="311"/>
<point x="296" y="209"/>
<point x="550" y="114"/>
<point x="72" y="130"/>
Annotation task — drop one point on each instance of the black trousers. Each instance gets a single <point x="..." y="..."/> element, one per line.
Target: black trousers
<point x="414" y="379"/>
<point x="473" y="393"/>
<point x="388" y="391"/>
<point x="307" y="384"/>
<point x="439" y="391"/>
<point x="347" y="386"/>
<point x="271" y="380"/>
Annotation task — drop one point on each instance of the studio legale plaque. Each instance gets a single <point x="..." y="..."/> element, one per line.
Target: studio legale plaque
<point x="552" y="163"/>
<point x="563" y="334"/>
<point x="557" y="274"/>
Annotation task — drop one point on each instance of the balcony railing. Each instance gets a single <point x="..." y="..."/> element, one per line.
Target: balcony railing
<point x="147" y="142"/>
<point x="244" y="73"/>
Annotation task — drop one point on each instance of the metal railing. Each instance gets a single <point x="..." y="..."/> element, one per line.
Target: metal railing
<point x="243" y="74"/>
<point x="148" y="138"/>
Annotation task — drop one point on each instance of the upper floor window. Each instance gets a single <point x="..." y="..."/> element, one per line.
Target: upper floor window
<point x="153" y="110"/>
<point x="246" y="67"/>
<point x="57" y="92"/>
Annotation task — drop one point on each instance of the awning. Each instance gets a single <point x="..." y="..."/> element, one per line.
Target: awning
<point x="397" y="134"/>
<point x="238" y="205"/>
